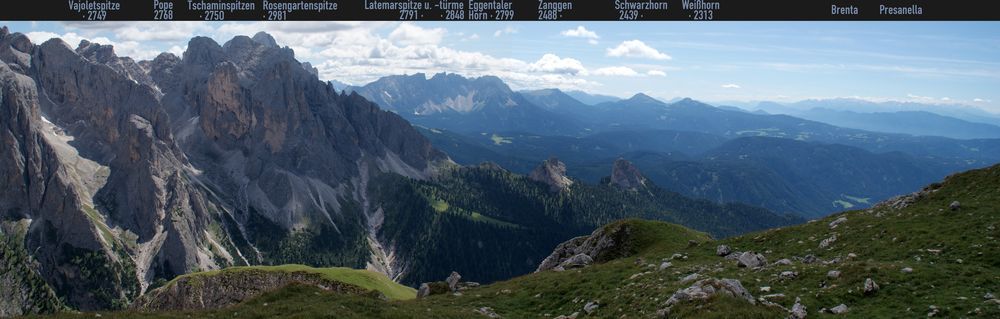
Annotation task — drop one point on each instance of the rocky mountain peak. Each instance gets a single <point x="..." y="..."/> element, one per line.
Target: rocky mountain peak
<point x="203" y="50"/>
<point x="552" y="172"/>
<point x="689" y="103"/>
<point x="105" y="54"/>
<point x="491" y="80"/>
<point x="454" y="102"/>
<point x="163" y="60"/>
<point x="483" y="83"/>
<point x="265" y="39"/>
<point x="96" y="51"/>
<point x="15" y="49"/>
<point x="312" y="69"/>
<point x="643" y="98"/>
<point x="442" y="76"/>
<point x="253" y="100"/>
<point x="240" y="42"/>
<point x="626" y="176"/>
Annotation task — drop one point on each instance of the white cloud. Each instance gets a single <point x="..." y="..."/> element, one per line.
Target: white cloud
<point x="37" y="37"/>
<point x="551" y="63"/>
<point x="636" y="49"/>
<point x="656" y="73"/>
<point x="168" y="31"/>
<point x="918" y="97"/>
<point x="131" y="49"/>
<point x="581" y="32"/>
<point x="351" y="52"/>
<point x="616" y="71"/>
<point x="731" y="86"/>
<point x="933" y="100"/>
<point x="505" y="30"/>
<point x="979" y="100"/>
<point x="71" y="38"/>
<point x="926" y="72"/>
<point x="362" y="56"/>
<point x="159" y="31"/>
<point x="409" y="34"/>
<point x="177" y="50"/>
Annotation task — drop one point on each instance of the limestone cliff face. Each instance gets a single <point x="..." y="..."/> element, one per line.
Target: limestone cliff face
<point x="105" y="54"/>
<point x="148" y="193"/>
<point x="41" y="191"/>
<point x="106" y="190"/>
<point x="126" y="173"/>
<point x="227" y="114"/>
<point x="278" y="142"/>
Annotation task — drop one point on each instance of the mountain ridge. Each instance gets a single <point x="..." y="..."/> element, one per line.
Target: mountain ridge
<point x="914" y="255"/>
<point x="158" y="207"/>
<point x="451" y="101"/>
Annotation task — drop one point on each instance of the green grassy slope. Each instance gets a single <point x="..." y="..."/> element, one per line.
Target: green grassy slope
<point x="490" y="224"/>
<point x="954" y="256"/>
<point x="362" y="278"/>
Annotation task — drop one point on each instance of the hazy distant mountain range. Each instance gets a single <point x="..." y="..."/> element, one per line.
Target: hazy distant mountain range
<point x="480" y="105"/>
<point x="705" y="151"/>
<point x="465" y="105"/>
<point x="912" y="122"/>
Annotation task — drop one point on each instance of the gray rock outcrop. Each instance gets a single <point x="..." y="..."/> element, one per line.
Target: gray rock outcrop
<point x="590" y="307"/>
<point x="577" y="261"/>
<point x="798" y="310"/>
<point x="453" y="279"/>
<point x="827" y="242"/>
<point x="552" y="172"/>
<point x="723" y="250"/>
<point x="839" y="309"/>
<point x="231" y="287"/>
<point x="424" y="290"/>
<point x="838" y="221"/>
<point x="488" y="312"/>
<point x="626" y="176"/>
<point x="870" y="287"/>
<point x="751" y="260"/>
<point x="706" y="288"/>
<point x="604" y="244"/>
<point x="955" y="206"/>
<point x="903" y="201"/>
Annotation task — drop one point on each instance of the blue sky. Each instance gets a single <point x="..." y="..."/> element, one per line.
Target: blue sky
<point x="929" y="62"/>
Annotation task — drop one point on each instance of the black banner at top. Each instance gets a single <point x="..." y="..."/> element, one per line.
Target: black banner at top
<point x="501" y="10"/>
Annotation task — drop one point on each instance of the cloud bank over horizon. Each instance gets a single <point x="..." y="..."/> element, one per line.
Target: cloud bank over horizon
<point x="718" y="62"/>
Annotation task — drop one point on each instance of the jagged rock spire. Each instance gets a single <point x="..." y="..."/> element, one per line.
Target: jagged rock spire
<point x="552" y="172"/>
<point x="626" y="176"/>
